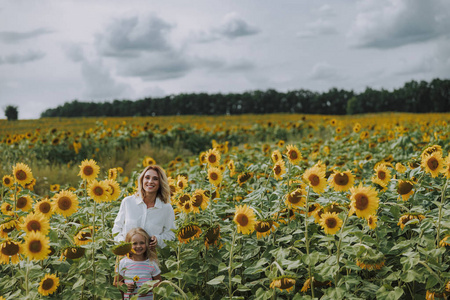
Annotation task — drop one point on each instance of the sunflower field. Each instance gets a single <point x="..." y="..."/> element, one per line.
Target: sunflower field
<point x="267" y="207"/>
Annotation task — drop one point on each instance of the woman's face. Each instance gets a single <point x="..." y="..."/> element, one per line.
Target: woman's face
<point x="150" y="181"/>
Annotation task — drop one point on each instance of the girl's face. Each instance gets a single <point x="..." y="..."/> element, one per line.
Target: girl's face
<point x="150" y="181"/>
<point x="139" y="245"/>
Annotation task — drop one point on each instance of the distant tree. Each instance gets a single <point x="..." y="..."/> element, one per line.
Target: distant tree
<point x="11" y="113"/>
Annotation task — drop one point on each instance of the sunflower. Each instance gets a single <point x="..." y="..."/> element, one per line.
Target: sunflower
<point x="400" y="168"/>
<point x="214" y="175"/>
<point x="202" y="157"/>
<point x="48" y="284"/>
<point x="44" y="207"/>
<point x="279" y="169"/>
<point x="356" y="127"/>
<point x="123" y="248"/>
<point x="112" y="173"/>
<point x="24" y="203"/>
<point x="84" y="236"/>
<point x="35" y="222"/>
<point x="244" y="217"/>
<point x="188" y="232"/>
<point x="283" y="283"/>
<point x="372" y="221"/>
<point x="405" y="189"/>
<point x="182" y="182"/>
<point x="295" y="199"/>
<point x="341" y="181"/>
<point x="7" y="209"/>
<point x="330" y="222"/>
<point x="174" y="189"/>
<point x="364" y="201"/>
<point x="276" y="156"/>
<point x="74" y="252"/>
<point x="445" y="242"/>
<point x="98" y="190"/>
<point x="65" y="203"/>
<point x="22" y="174"/>
<point x="264" y="227"/>
<point x="433" y="163"/>
<point x="213" y="157"/>
<point x="371" y="262"/>
<point x="10" y="249"/>
<point x="382" y="175"/>
<point x="55" y="187"/>
<point x="7" y="226"/>
<point x="446" y="169"/>
<point x="199" y="200"/>
<point x="307" y="284"/>
<point x="405" y="218"/>
<point x="113" y="189"/>
<point x="431" y="150"/>
<point x="8" y="181"/>
<point x="293" y="154"/>
<point x="315" y="177"/>
<point x="36" y="246"/>
<point x="212" y="236"/>
<point x="231" y="167"/>
<point x="148" y="161"/>
<point x="89" y="170"/>
<point x="185" y="204"/>
<point x="244" y="177"/>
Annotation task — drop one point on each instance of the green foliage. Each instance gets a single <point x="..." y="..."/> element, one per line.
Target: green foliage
<point x="11" y="112"/>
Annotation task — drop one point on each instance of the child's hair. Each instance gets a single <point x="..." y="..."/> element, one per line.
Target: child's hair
<point x="150" y="253"/>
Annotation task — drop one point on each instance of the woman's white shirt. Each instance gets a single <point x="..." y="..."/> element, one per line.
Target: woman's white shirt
<point x="157" y="220"/>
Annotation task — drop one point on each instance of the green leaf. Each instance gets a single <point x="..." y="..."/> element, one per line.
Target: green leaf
<point x="217" y="280"/>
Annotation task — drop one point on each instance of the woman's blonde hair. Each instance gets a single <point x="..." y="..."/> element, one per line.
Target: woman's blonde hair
<point x="164" y="188"/>
<point x="151" y="253"/>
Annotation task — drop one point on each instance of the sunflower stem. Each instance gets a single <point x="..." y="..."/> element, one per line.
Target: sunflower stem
<point x="175" y="286"/>
<point x="93" y="245"/>
<point x="438" y="230"/>
<point x="307" y="240"/>
<point x="27" y="273"/>
<point x="338" y="251"/>
<point x="230" y="266"/>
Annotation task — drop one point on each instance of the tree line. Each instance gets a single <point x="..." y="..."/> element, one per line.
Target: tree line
<point x="415" y="97"/>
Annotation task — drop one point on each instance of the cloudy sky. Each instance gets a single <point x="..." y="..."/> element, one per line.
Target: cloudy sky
<point x="52" y="52"/>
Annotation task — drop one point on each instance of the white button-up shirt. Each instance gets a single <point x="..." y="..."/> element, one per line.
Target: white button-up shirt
<point x="158" y="220"/>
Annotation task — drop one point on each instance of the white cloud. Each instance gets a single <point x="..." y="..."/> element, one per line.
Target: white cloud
<point x="324" y="71"/>
<point x="11" y="37"/>
<point x="318" y="28"/>
<point x="26" y="57"/>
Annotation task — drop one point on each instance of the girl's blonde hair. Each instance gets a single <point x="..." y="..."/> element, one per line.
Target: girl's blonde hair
<point x="164" y="188"/>
<point x="150" y="253"/>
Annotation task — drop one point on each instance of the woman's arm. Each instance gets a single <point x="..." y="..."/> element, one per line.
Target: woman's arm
<point x="168" y="225"/>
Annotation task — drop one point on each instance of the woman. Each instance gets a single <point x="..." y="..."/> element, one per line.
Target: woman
<point x="149" y="208"/>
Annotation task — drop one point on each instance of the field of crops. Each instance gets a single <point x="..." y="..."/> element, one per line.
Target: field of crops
<point x="267" y="206"/>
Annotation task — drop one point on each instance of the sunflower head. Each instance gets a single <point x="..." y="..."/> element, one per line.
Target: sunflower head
<point x="112" y="173"/>
<point x="341" y="181"/>
<point x="199" y="200"/>
<point x="65" y="203"/>
<point x="244" y="177"/>
<point x="89" y="170"/>
<point x="84" y="236"/>
<point x="148" y="161"/>
<point x="433" y="163"/>
<point x="296" y="198"/>
<point x="36" y="246"/>
<point x="181" y="182"/>
<point x="122" y="248"/>
<point x="212" y="236"/>
<point x="279" y="169"/>
<point x="276" y="156"/>
<point x="24" y="203"/>
<point x="35" y="222"/>
<point x="44" y="207"/>
<point x="215" y="176"/>
<point x="8" y="181"/>
<point x="245" y="219"/>
<point x="10" y="250"/>
<point x="315" y="178"/>
<point x="382" y="175"/>
<point x="73" y="252"/>
<point x="264" y="227"/>
<point x="188" y="232"/>
<point x="283" y="283"/>
<point x="293" y="154"/>
<point x="405" y="189"/>
<point x="22" y="174"/>
<point x="48" y="285"/>
<point x="213" y="157"/>
<point x="330" y="222"/>
<point x="364" y="201"/>
<point x="99" y="191"/>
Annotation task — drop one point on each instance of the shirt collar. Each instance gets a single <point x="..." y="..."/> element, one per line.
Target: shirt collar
<point x="158" y="202"/>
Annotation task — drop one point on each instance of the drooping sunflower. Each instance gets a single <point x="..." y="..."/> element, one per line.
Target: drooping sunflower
<point x="371" y="262"/>
<point x="8" y="225"/>
<point x="112" y="173"/>
<point x="123" y="248"/>
<point x="84" y="236"/>
<point x="405" y="189"/>
<point x="215" y="176"/>
<point x="231" y="167"/>
<point x="245" y="219"/>
<point x="212" y="236"/>
<point x="65" y="203"/>
<point x="35" y="222"/>
<point x="433" y="163"/>
<point x="48" y="285"/>
<point x="55" y="187"/>
<point x="446" y="169"/>
<point x="341" y="181"/>
<point x="244" y="177"/>
<point x="24" y="203"/>
<point x="113" y="189"/>
<point x="382" y="175"/>
<point x="6" y="209"/>
<point x="295" y="198"/>
<point x="22" y="174"/>
<point x="445" y="242"/>
<point x="10" y="249"/>
<point x="264" y="227"/>
<point x="431" y="150"/>
<point x="188" y="232"/>
<point x="182" y="182"/>
<point x="74" y="252"/>
<point x="405" y="218"/>
<point x="283" y="283"/>
<point x="276" y="156"/>
<point x="89" y="170"/>
<point x="315" y="178"/>
<point x="364" y="201"/>
<point x="98" y="190"/>
<point x="307" y="284"/>
<point x="330" y="222"/>
<point x="174" y="189"/>
<point x="36" y="246"/>
<point x="279" y="169"/>
<point x="8" y="181"/>
<point x="199" y="200"/>
<point x="293" y="154"/>
<point x="372" y="221"/>
<point x="213" y="157"/>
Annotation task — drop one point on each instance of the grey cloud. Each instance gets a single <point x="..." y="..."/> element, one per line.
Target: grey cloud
<point x="221" y="65"/>
<point x="74" y="53"/>
<point x="234" y="26"/>
<point x="29" y="56"/>
<point x="324" y="71"/>
<point x="130" y="37"/>
<point x="11" y="37"/>
<point x="397" y="23"/>
<point x="318" y="28"/>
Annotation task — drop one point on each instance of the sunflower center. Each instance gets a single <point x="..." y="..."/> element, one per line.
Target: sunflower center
<point x="212" y="158"/>
<point x="277" y="169"/>
<point x="64" y="203"/>
<point x="88" y="170"/>
<point x="112" y="190"/>
<point x="98" y="191"/>
<point x="47" y="284"/>
<point x="34" y="225"/>
<point x="362" y="201"/>
<point x="404" y="188"/>
<point x="44" y="207"/>
<point x="293" y="155"/>
<point x="370" y="221"/>
<point x="381" y="175"/>
<point x="331" y="222"/>
<point x="7" y="181"/>
<point x="214" y="176"/>
<point x="295" y="197"/>
<point x="21" y="202"/>
<point x="84" y="236"/>
<point x="286" y="283"/>
<point x="314" y="179"/>
<point x="198" y="199"/>
<point x="21" y="175"/>
<point x="212" y="234"/>
<point x="341" y="179"/>
<point x="263" y="226"/>
<point x="10" y="249"/>
<point x="35" y="246"/>
<point x="188" y="232"/>
<point x="242" y="219"/>
<point x="433" y="164"/>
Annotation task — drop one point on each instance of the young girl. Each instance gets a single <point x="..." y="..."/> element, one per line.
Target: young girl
<point x="140" y="266"/>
